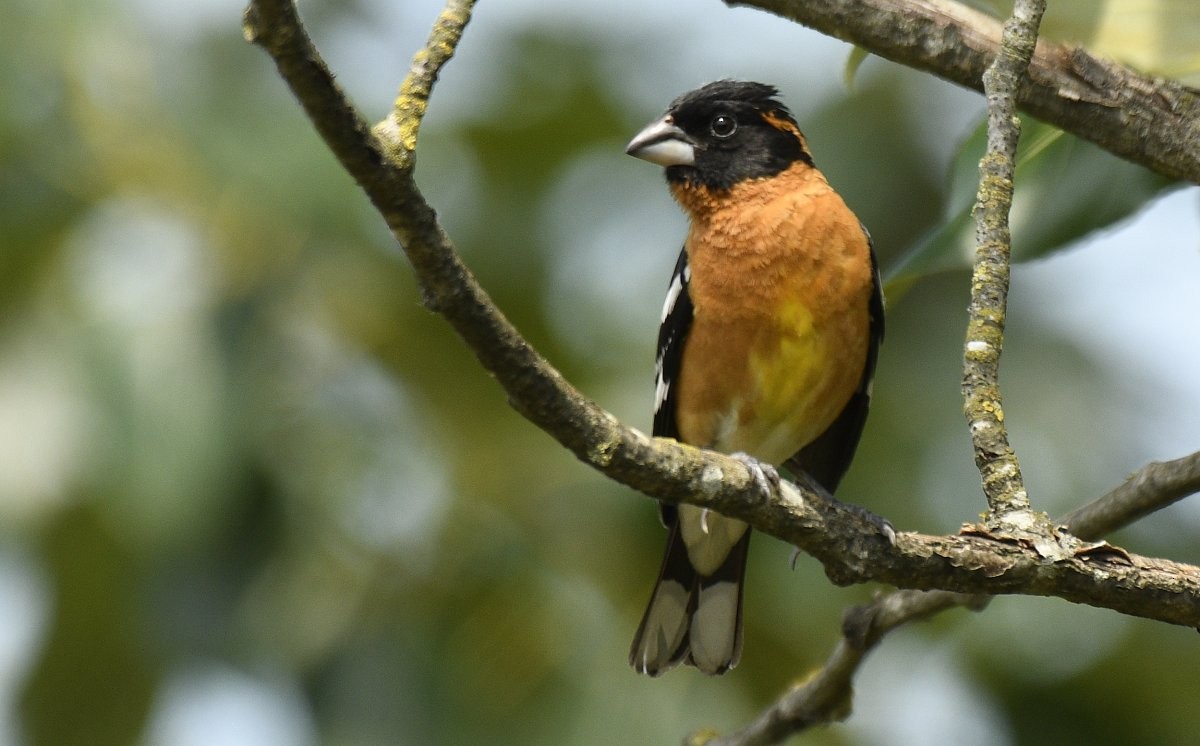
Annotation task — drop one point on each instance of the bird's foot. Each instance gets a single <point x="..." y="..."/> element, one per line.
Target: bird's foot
<point x="883" y="525"/>
<point x="880" y="523"/>
<point x="765" y="476"/>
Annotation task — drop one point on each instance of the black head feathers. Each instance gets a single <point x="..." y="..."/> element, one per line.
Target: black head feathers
<point x="723" y="133"/>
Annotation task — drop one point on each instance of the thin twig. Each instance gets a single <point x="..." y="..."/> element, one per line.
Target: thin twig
<point x="1152" y="487"/>
<point x="825" y="696"/>
<point x="1003" y="486"/>
<point x="274" y="26"/>
<point x="401" y="127"/>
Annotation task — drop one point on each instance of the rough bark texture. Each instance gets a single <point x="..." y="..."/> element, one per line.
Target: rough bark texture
<point x="983" y="404"/>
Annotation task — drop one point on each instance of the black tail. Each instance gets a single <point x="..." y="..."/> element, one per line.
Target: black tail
<point x="692" y="618"/>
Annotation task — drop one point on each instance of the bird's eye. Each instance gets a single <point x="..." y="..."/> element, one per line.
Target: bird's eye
<point x="723" y="125"/>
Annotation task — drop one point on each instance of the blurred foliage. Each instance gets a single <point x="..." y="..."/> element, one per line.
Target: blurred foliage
<point x="1155" y="36"/>
<point x="1069" y="188"/>
<point x="253" y="493"/>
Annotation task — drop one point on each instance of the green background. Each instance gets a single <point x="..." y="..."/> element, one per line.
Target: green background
<point x="251" y="492"/>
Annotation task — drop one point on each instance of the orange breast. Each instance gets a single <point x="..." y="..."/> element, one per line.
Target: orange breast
<point x="781" y="281"/>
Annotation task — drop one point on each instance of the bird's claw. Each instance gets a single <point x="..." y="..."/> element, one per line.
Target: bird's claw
<point x="883" y="525"/>
<point x="765" y="476"/>
<point x="795" y="556"/>
<point x="888" y="530"/>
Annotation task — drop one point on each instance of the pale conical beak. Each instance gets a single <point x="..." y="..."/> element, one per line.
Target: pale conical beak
<point x="663" y="143"/>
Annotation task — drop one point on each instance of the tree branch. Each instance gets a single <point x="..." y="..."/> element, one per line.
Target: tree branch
<point x="1153" y="487"/>
<point x="402" y="126"/>
<point x="825" y="696"/>
<point x="1008" y="502"/>
<point x="1144" y="119"/>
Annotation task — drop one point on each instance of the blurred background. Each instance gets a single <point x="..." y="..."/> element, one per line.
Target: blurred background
<point x="252" y="493"/>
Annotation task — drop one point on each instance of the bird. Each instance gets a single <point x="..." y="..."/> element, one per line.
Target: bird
<point x="767" y="344"/>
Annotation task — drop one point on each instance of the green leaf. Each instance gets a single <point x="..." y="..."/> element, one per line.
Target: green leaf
<point x="1066" y="188"/>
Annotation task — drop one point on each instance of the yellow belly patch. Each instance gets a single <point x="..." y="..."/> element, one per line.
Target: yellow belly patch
<point x="794" y="370"/>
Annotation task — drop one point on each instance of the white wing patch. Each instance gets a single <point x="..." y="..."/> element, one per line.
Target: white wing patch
<point x="673" y="293"/>
<point x="662" y="388"/>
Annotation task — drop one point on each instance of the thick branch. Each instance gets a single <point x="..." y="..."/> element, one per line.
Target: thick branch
<point x="1147" y="120"/>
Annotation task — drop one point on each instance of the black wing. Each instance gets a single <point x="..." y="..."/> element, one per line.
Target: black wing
<point x="827" y="458"/>
<point x="672" y="333"/>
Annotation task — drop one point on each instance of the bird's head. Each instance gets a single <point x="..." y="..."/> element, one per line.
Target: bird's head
<point x="721" y="134"/>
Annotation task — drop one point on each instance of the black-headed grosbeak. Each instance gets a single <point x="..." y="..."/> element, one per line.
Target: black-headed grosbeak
<point x="767" y="347"/>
